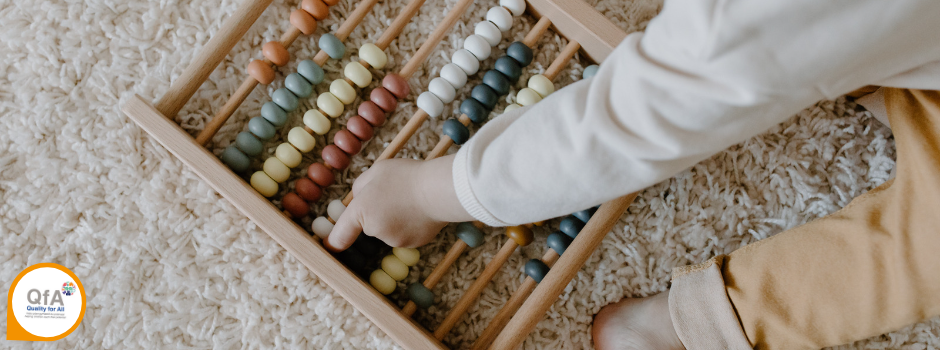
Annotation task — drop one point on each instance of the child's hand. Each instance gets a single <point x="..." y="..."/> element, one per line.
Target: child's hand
<point x="403" y="202"/>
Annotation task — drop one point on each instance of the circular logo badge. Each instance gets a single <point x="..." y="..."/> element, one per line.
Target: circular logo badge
<point x="46" y="302"/>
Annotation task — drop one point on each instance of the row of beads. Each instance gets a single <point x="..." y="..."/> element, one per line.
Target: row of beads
<point x="394" y="268"/>
<point x="559" y="241"/>
<point x="304" y="19"/>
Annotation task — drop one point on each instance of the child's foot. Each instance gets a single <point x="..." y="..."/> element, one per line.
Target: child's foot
<point x="636" y="324"/>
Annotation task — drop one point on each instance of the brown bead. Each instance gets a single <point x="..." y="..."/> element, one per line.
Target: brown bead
<point x="316" y="8"/>
<point x="521" y="234"/>
<point x="320" y="174"/>
<point x="335" y="157"/>
<point x="307" y="190"/>
<point x="372" y="113"/>
<point x="303" y="21"/>
<point x="261" y="71"/>
<point x="384" y="99"/>
<point x="331" y="2"/>
<point x="359" y="127"/>
<point x="276" y="53"/>
<point x="347" y="142"/>
<point x="396" y="85"/>
<point x="295" y="206"/>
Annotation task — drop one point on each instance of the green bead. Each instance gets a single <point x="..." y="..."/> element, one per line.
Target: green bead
<point x="469" y="234"/>
<point x="311" y="71"/>
<point x="298" y="85"/>
<point x="485" y="95"/>
<point x="261" y="128"/>
<point x="571" y="226"/>
<point x="558" y="242"/>
<point x="509" y="67"/>
<point x="248" y="144"/>
<point x="274" y="114"/>
<point x="235" y="159"/>
<point x="496" y="81"/>
<point x="521" y="53"/>
<point x="474" y="110"/>
<point x="456" y="131"/>
<point x="585" y="214"/>
<point x="421" y="295"/>
<point x="589" y="71"/>
<point x="536" y="269"/>
<point x="333" y="47"/>
<point x="285" y="99"/>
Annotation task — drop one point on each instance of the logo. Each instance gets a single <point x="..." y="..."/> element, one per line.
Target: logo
<point x="40" y="306"/>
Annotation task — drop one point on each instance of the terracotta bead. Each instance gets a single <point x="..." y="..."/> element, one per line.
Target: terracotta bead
<point x="347" y="142"/>
<point x="261" y="71"/>
<point x="331" y="2"/>
<point x="521" y="234"/>
<point x="335" y="157"/>
<point x="396" y="85"/>
<point x="307" y="190"/>
<point x="384" y="99"/>
<point x="316" y="8"/>
<point x="276" y="53"/>
<point x="303" y="21"/>
<point x="320" y="174"/>
<point x="295" y="206"/>
<point x="359" y="127"/>
<point x="372" y="113"/>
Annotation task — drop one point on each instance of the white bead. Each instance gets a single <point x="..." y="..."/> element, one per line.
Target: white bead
<point x="511" y="107"/>
<point x="442" y="89"/>
<point x="321" y="227"/>
<point x="527" y="97"/>
<point x="487" y="30"/>
<point x="454" y="75"/>
<point x="430" y="104"/>
<point x="500" y="17"/>
<point x="478" y="46"/>
<point x="541" y="85"/>
<point x="517" y="7"/>
<point x="335" y="209"/>
<point x="466" y="61"/>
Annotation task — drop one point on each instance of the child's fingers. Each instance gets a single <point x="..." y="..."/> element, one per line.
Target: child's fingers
<point x="346" y="230"/>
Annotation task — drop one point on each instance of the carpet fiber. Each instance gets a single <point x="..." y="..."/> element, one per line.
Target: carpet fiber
<point x="167" y="263"/>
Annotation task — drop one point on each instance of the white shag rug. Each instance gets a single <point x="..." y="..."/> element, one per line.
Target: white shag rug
<point x="168" y="264"/>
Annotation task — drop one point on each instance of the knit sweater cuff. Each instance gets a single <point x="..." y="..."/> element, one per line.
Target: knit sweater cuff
<point x="465" y="193"/>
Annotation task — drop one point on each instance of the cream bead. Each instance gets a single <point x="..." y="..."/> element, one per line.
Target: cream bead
<point x="527" y="97"/>
<point x="466" y="61"/>
<point x="288" y="154"/>
<point x="373" y="55"/>
<point x="317" y="122"/>
<point x="263" y="184"/>
<point x="478" y="46"/>
<point x="541" y="85"/>
<point x="343" y="91"/>
<point x="394" y="267"/>
<point x="517" y="7"/>
<point x="409" y="256"/>
<point x="321" y="227"/>
<point x="276" y="169"/>
<point x="487" y="30"/>
<point x="500" y="17"/>
<point x="301" y="139"/>
<point x="442" y="89"/>
<point x="454" y="75"/>
<point x="335" y="209"/>
<point x="430" y="104"/>
<point x="327" y="102"/>
<point x="382" y="282"/>
<point x="358" y="73"/>
<point x="511" y="107"/>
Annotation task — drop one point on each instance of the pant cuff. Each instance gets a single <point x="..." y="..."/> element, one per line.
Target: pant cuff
<point x="700" y="309"/>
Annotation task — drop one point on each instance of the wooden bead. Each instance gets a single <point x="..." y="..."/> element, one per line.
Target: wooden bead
<point x="442" y="89"/>
<point x="384" y="99"/>
<point x="590" y="71"/>
<point x="321" y="227"/>
<point x="347" y="142"/>
<point x="541" y="85"/>
<point x="372" y="113"/>
<point x="333" y="47"/>
<point x="311" y="71"/>
<point x="358" y="73"/>
<point x="261" y="71"/>
<point x="527" y="97"/>
<point x="511" y="107"/>
<point x="335" y="209"/>
<point x="316" y="8"/>
<point x="517" y="7"/>
<point x="469" y="234"/>
<point x="248" y="144"/>
<point x="359" y="127"/>
<point x="536" y="269"/>
<point x="320" y="175"/>
<point x="276" y="53"/>
<point x="301" y="139"/>
<point x="235" y="159"/>
<point x="276" y="169"/>
<point x="261" y="128"/>
<point x="343" y="91"/>
<point x="409" y="256"/>
<point x="397" y="85"/>
<point x="454" y="75"/>
<point x="317" y="122"/>
<point x="466" y="61"/>
<point x="288" y="155"/>
<point x="373" y="55"/>
<point x="496" y="81"/>
<point x="299" y="85"/>
<point x="558" y="242"/>
<point x="394" y="267"/>
<point x="521" y="234"/>
<point x="273" y="113"/>
<point x="329" y="104"/>
<point x="476" y="111"/>
<point x="295" y="205"/>
<point x="456" y="131"/>
<point x="307" y="190"/>
<point x="430" y="104"/>
<point x="487" y="30"/>
<point x="335" y="157"/>
<point x="585" y="214"/>
<point x="485" y="95"/>
<point x="509" y="67"/>
<point x="421" y="295"/>
<point x="285" y="99"/>
<point x="302" y="20"/>
<point x="520" y="52"/>
<point x="478" y="46"/>
<point x="263" y="183"/>
<point x="382" y="282"/>
<point x="571" y="226"/>
<point x="500" y="17"/>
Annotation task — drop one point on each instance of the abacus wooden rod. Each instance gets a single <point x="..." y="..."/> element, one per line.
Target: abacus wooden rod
<point x="449" y="259"/>
<point x="398" y="25"/>
<point x="425" y="50"/>
<point x="210" y="56"/>
<point x="546" y="293"/>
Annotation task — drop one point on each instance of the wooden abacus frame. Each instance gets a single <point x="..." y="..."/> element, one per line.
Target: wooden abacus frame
<point x="573" y="19"/>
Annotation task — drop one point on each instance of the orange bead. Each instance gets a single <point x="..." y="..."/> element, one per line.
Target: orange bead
<point x="276" y="53"/>
<point x="521" y="234"/>
<point x="303" y="21"/>
<point x="295" y="205"/>
<point x="331" y="2"/>
<point x="307" y="190"/>
<point x="316" y="8"/>
<point x="261" y="71"/>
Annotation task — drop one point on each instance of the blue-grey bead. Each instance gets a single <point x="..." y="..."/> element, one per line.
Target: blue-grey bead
<point x="589" y="71"/>
<point x="519" y="52"/>
<point x="571" y="226"/>
<point x="368" y="245"/>
<point x="559" y="242"/>
<point x="485" y="95"/>
<point x="474" y="110"/>
<point x="496" y="81"/>
<point x="536" y="269"/>
<point x="469" y="234"/>
<point x="248" y="144"/>
<point x="311" y="71"/>
<point x="421" y="295"/>
<point x="235" y="159"/>
<point x="261" y="128"/>
<point x="585" y="214"/>
<point x="333" y="47"/>
<point x="509" y="67"/>
<point x="274" y="114"/>
<point x="353" y="259"/>
<point x="456" y="131"/>
<point x="285" y="99"/>
<point x="298" y="85"/>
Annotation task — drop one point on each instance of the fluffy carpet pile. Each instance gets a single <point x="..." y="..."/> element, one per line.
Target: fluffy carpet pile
<point x="167" y="263"/>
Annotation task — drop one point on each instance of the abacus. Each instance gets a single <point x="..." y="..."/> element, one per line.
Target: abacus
<point x="587" y="31"/>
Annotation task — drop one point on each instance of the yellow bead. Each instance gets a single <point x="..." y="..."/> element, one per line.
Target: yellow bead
<point x="373" y="55"/>
<point x="541" y="85"/>
<point x="511" y="107"/>
<point x="301" y="139"/>
<point x="288" y="155"/>
<point x="394" y="267"/>
<point x="263" y="184"/>
<point x="409" y="256"/>
<point x="382" y="282"/>
<point x="276" y="169"/>
<point x="527" y="97"/>
<point x="317" y="122"/>
<point x="328" y="103"/>
<point x="358" y="73"/>
<point x="343" y="91"/>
